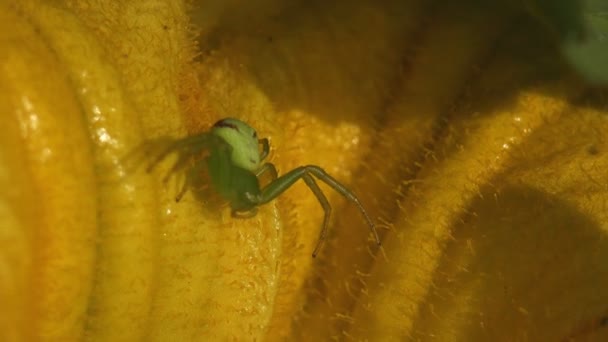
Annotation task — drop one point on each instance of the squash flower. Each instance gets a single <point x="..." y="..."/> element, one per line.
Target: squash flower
<point x="476" y="149"/>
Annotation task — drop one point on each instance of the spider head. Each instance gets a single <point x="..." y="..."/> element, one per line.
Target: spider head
<point x="244" y="142"/>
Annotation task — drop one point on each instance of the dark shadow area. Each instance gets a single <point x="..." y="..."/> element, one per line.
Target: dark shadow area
<point x="280" y="48"/>
<point x="325" y="57"/>
<point x="524" y="262"/>
<point x="189" y="179"/>
<point x="351" y="61"/>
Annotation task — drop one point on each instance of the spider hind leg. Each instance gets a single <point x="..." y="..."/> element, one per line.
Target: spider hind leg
<point x="279" y="185"/>
<point x="314" y="187"/>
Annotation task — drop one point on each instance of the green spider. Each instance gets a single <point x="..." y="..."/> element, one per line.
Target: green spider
<point x="235" y="163"/>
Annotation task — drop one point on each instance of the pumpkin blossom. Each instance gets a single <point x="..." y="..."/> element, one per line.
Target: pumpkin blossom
<point x="477" y="150"/>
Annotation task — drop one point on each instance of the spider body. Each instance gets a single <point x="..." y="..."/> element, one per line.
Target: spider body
<point x="235" y="162"/>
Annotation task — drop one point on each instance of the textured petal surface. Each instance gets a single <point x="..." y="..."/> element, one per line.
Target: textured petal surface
<point x="477" y="150"/>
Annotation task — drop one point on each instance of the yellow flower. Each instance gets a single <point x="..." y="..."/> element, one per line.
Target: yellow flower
<point x="480" y="155"/>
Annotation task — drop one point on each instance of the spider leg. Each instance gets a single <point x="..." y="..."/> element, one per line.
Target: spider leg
<point x="187" y="149"/>
<point x="310" y="181"/>
<point x="265" y="148"/>
<point x="192" y="174"/>
<point x="182" y="192"/>
<point x="244" y="214"/>
<point x="174" y="146"/>
<point x="334" y="184"/>
<point x="181" y="163"/>
<point x="268" y="167"/>
<point x="278" y="186"/>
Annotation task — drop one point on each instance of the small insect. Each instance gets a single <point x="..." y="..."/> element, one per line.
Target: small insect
<point x="235" y="163"/>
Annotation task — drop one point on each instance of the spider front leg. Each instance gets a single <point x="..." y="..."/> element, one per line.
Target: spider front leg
<point x="195" y="170"/>
<point x="278" y="186"/>
<point x="265" y="148"/>
<point x="188" y="149"/>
